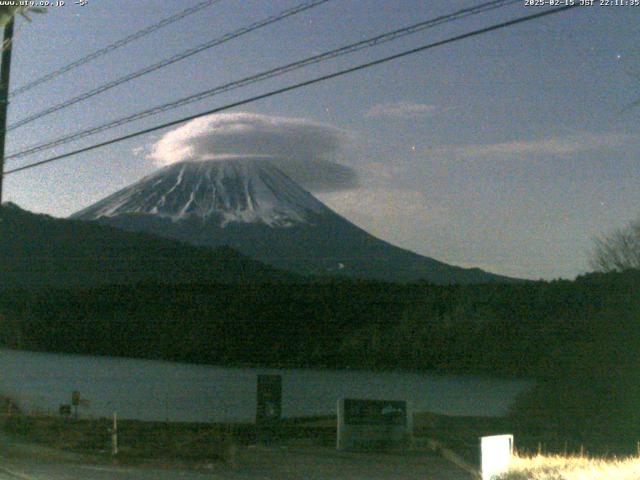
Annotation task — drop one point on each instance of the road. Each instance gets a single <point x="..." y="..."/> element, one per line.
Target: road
<point x="57" y="471"/>
<point x="256" y="464"/>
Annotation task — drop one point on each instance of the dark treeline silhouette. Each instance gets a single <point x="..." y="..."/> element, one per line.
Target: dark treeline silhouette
<point x="42" y="251"/>
<point x="526" y="330"/>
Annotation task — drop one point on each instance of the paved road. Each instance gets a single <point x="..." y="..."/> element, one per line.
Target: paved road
<point x="254" y="464"/>
<point x="57" y="471"/>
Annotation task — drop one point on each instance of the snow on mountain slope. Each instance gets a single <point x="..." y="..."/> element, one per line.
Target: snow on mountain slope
<point x="229" y="191"/>
<point x="251" y="206"/>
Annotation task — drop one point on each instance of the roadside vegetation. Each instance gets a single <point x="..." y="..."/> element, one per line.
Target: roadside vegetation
<point x="138" y="442"/>
<point x="197" y="444"/>
<point x="557" y="467"/>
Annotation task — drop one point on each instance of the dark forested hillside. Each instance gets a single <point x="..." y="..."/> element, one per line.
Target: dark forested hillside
<point x="37" y="250"/>
<point x="520" y="329"/>
<point x="588" y="387"/>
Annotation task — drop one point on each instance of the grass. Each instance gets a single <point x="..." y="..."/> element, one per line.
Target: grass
<point x="189" y="442"/>
<point x="558" y="467"/>
<point x="137" y="440"/>
<point x="142" y="440"/>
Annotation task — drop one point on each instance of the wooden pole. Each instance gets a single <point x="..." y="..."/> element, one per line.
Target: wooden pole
<point x="114" y="435"/>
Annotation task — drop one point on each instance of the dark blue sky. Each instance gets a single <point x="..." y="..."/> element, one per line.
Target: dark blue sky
<point x="508" y="151"/>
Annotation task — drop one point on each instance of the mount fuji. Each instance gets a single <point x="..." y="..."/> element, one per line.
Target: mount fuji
<point x="252" y="206"/>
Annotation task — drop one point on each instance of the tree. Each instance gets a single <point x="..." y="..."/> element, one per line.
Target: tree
<point x="618" y="251"/>
<point x="10" y="11"/>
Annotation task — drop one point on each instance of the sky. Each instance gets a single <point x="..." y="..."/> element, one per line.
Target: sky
<point x="509" y="151"/>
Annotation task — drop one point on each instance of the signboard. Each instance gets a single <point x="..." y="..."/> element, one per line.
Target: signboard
<point x="495" y="455"/>
<point x="365" y="424"/>
<point x="374" y="412"/>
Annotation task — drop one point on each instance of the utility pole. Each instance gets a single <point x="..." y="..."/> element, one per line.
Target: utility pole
<point x="5" y="69"/>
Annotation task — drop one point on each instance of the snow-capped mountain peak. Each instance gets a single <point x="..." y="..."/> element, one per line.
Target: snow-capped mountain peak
<point x="239" y="190"/>
<point x="251" y="206"/>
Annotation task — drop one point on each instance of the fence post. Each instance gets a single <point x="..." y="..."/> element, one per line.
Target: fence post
<point x="114" y="435"/>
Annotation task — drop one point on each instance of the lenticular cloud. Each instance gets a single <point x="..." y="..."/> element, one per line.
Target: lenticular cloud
<point x="303" y="149"/>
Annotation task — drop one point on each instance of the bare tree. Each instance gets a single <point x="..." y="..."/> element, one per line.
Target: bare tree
<point x="619" y="250"/>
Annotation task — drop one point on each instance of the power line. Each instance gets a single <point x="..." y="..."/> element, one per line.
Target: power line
<point x="110" y="48"/>
<point x="169" y="61"/>
<point x="275" y="72"/>
<point x="300" y="85"/>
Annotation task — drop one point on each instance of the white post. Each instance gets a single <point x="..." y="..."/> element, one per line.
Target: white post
<point x="114" y="435"/>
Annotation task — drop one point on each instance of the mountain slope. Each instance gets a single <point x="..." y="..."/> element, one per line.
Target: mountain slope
<point x="248" y="192"/>
<point x="37" y="250"/>
<point x="252" y="206"/>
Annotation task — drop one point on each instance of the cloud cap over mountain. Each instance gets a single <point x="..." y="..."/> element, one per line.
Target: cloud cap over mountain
<point x="303" y="149"/>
